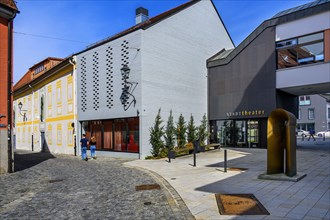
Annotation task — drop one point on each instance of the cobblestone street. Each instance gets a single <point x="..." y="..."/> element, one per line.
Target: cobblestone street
<point x="65" y="187"/>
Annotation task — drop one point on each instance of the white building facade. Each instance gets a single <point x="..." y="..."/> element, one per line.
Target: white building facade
<point x="159" y="63"/>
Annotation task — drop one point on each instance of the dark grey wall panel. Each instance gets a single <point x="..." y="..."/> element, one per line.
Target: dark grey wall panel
<point x="247" y="83"/>
<point x="288" y="102"/>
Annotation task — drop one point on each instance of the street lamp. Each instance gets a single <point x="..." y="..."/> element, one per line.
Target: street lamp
<point x="20" y="105"/>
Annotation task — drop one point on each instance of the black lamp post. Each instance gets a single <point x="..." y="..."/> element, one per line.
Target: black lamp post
<point x="20" y="105"/>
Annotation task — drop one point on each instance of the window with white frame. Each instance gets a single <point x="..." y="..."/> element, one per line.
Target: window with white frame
<point x="311" y="114"/>
<point x="39" y="69"/>
<point x="304" y="100"/>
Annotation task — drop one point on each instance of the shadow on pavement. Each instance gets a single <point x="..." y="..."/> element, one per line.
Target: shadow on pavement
<point x="26" y="159"/>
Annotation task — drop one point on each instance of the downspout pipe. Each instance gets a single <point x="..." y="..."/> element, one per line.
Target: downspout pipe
<point x="75" y="125"/>
<point x="10" y="93"/>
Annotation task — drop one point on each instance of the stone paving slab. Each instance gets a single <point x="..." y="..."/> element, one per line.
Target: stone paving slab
<point x="309" y="197"/>
<point x="65" y="187"/>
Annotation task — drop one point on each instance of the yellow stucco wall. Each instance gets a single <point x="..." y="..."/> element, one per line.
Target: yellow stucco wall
<point x="58" y="94"/>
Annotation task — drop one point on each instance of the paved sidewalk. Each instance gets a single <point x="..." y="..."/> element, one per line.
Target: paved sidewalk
<point x="308" y="198"/>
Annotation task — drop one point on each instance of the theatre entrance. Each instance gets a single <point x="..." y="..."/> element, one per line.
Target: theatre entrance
<point x="238" y="133"/>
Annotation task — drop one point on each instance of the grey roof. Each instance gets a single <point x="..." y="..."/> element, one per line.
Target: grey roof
<point x="149" y="23"/>
<point x="222" y="54"/>
<point x="300" y="8"/>
<point x="292" y="14"/>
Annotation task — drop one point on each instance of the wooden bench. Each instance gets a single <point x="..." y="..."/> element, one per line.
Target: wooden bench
<point x="177" y="151"/>
<point x="213" y="145"/>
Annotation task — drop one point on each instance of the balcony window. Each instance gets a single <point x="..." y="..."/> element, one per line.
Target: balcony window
<point x="300" y="51"/>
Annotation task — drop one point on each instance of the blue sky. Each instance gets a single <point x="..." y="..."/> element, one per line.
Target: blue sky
<point x="59" y="28"/>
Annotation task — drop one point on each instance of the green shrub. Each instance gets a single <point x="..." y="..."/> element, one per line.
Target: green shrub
<point x="156" y="134"/>
<point x="181" y="132"/>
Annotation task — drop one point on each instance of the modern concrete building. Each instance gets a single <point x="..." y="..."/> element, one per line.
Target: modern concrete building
<point x="158" y="63"/>
<point x="8" y="11"/>
<point x="285" y="57"/>
<point x="44" y="112"/>
<point x="314" y="113"/>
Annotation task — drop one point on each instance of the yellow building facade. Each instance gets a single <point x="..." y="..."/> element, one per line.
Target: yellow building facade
<point x="44" y="108"/>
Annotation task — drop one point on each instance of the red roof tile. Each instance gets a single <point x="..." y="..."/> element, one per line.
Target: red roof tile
<point x="30" y="76"/>
<point x="9" y="3"/>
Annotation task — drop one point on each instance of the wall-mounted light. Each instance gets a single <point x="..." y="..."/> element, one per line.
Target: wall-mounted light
<point x="20" y="105"/>
<point x="125" y="71"/>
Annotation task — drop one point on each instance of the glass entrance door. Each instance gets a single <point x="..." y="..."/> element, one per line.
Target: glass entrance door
<point x="240" y="133"/>
<point x="225" y="133"/>
<point x="253" y="133"/>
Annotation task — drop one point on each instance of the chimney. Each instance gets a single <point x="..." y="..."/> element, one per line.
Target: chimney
<point x="141" y="15"/>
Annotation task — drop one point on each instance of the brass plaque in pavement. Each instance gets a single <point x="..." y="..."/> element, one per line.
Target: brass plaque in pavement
<point x="237" y="169"/>
<point x="147" y="187"/>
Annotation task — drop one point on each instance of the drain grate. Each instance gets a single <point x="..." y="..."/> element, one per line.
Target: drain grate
<point x="237" y="169"/>
<point x="55" y="180"/>
<point x="239" y="204"/>
<point x="147" y="187"/>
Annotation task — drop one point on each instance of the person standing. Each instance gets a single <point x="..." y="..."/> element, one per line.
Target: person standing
<point x="92" y="145"/>
<point x="83" y="144"/>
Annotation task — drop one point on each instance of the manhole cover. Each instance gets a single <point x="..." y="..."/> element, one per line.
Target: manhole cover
<point x="239" y="204"/>
<point x="147" y="187"/>
<point x="55" y="180"/>
<point x="237" y="169"/>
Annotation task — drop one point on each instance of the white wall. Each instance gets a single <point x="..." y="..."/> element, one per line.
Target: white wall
<point x="174" y="54"/>
<point x="106" y="60"/>
<point x="307" y="75"/>
<point x="303" y="26"/>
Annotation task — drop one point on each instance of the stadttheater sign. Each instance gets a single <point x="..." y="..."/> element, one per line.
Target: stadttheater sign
<point x="246" y="113"/>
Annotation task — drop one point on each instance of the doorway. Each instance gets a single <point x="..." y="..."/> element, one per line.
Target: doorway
<point x="253" y="133"/>
<point x="238" y="133"/>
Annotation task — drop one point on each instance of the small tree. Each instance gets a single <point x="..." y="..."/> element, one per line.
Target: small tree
<point x="203" y="132"/>
<point x="156" y="133"/>
<point x="191" y="130"/>
<point x="181" y="132"/>
<point x="170" y="133"/>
